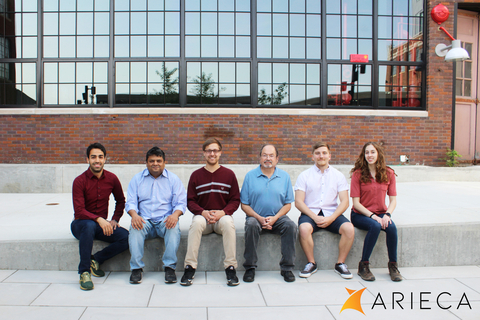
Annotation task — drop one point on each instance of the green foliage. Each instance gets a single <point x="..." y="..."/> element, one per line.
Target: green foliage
<point x="169" y="84"/>
<point x="451" y="159"/>
<point x="204" y="89"/>
<point x="276" y="98"/>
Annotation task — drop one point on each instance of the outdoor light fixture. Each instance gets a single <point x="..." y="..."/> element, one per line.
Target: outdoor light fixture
<point x="453" y="52"/>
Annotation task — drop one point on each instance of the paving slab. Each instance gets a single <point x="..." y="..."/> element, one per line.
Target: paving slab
<point x="472" y="283"/>
<point x="206" y="296"/>
<point x="381" y="313"/>
<point x="102" y="295"/>
<point x="305" y="294"/>
<point x="4" y="274"/>
<point x="412" y="273"/>
<point x="272" y="313"/>
<point x="46" y="276"/>
<point x="20" y="294"/>
<point x="96" y="313"/>
<point x="40" y="313"/>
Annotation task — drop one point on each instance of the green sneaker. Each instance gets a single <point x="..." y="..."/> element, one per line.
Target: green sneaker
<point x="86" y="281"/>
<point x="95" y="269"/>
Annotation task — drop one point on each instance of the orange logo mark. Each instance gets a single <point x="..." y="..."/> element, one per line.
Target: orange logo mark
<point x="354" y="301"/>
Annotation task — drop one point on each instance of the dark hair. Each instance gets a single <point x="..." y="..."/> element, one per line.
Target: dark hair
<point x="319" y="145"/>
<point x="96" y="145"/>
<point x="155" y="151"/>
<point x="361" y="164"/>
<point x="268" y="144"/>
<point x="209" y="141"/>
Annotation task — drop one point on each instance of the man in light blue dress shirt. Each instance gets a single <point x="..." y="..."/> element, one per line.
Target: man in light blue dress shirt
<point x="156" y="198"/>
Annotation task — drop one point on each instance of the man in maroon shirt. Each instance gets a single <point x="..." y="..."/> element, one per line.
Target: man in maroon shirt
<point x="91" y="192"/>
<point x="212" y="196"/>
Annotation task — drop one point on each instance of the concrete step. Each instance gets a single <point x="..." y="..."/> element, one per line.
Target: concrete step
<point x="436" y="245"/>
<point x="438" y="225"/>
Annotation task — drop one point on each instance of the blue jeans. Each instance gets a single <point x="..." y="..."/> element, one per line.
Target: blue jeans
<point x="88" y="230"/>
<point x="285" y="227"/>
<point x="373" y="229"/>
<point x="136" y="241"/>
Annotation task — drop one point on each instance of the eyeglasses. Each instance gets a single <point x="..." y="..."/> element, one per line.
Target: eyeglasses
<point x="215" y="151"/>
<point x="266" y="156"/>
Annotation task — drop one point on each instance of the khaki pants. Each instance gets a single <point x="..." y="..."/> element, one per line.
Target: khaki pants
<point x="199" y="227"/>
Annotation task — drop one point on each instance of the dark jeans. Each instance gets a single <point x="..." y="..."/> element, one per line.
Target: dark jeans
<point x="285" y="227"/>
<point x="88" y="230"/>
<point x="373" y="229"/>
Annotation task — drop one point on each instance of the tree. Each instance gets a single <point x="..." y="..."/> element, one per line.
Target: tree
<point x="169" y="85"/>
<point x="275" y="98"/>
<point x="204" y="89"/>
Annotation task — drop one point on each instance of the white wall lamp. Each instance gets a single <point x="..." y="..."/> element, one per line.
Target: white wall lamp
<point x="453" y="52"/>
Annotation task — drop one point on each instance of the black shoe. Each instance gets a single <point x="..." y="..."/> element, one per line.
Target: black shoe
<point x="188" y="276"/>
<point x="137" y="276"/>
<point x="232" y="279"/>
<point x="170" y="276"/>
<point x="249" y="275"/>
<point x="287" y="276"/>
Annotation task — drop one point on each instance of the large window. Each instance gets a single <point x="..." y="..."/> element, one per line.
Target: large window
<point x="365" y="54"/>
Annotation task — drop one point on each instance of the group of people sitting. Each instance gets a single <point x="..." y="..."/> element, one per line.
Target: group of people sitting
<point x="156" y="198"/>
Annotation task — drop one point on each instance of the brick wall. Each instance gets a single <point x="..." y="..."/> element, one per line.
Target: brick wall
<point x="63" y="138"/>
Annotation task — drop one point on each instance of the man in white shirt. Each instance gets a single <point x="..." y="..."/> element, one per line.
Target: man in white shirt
<point x="316" y="193"/>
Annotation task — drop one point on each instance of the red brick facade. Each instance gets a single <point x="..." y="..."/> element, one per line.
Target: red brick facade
<point x="63" y="138"/>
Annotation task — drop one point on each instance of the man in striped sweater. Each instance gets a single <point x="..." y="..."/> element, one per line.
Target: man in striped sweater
<point x="212" y="196"/>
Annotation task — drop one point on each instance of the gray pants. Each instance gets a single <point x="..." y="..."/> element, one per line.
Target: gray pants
<point x="285" y="227"/>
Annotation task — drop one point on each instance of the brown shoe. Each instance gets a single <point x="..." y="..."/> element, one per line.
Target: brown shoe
<point x="394" y="273"/>
<point x="364" y="271"/>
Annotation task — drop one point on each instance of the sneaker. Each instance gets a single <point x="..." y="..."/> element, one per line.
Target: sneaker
<point x="342" y="270"/>
<point x="137" y="276"/>
<point x="364" y="271"/>
<point x="287" y="275"/>
<point x="170" y="276"/>
<point x="86" y="281"/>
<point x="309" y="269"/>
<point x="95" y="269"/>
<point x="394" y="273"/>
<point x="232" y="279"/>
<point x="188" y="276"/>
<point x="249" y="275"/>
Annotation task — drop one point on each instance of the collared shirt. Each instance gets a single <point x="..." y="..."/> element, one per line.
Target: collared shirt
<point x="266" y="195"/>
<point x="321" y="189"/>
<point x="155" y="199"/>
<point x="372" y="195"/>
<point x="91" y="195"/>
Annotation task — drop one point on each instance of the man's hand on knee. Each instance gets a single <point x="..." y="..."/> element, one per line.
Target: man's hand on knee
<point x="105" y="225"/>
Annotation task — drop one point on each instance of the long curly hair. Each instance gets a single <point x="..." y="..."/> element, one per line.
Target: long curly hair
<point x="380" y="166"/>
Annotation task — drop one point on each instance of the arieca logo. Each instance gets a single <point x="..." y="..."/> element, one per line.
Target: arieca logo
<point x="354" y="301"/>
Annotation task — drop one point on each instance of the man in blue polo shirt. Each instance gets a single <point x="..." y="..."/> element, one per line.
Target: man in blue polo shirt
<point x="266" y="198"/>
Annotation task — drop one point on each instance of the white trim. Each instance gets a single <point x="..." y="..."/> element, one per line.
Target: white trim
<point x="209" y="111"/>
<point x="213" y="190"/>
<point x="214" y="184"/>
